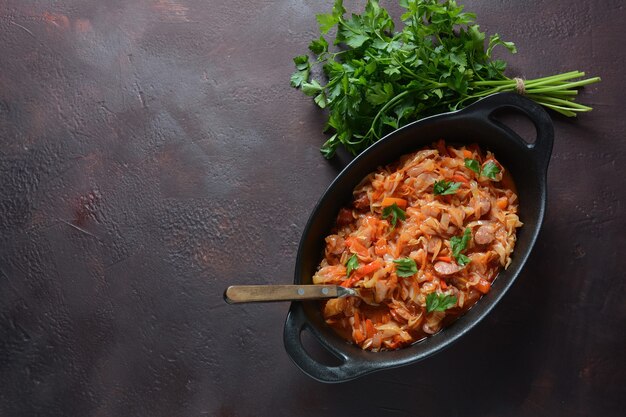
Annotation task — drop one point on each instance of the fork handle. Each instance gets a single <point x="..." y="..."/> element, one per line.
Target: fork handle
<point x="263" y="293"/>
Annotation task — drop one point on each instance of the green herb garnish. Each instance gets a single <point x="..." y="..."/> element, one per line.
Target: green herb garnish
<point x="405" y="267"/>
<point x="490" y="170"/>
<point x="458" y="244"/>
<point x="462" y="260"/>
<point x="352" y="264"/>
<point x="381" y="79"/>
<point x="303" y="69"/>
<point x="395" y="213"/>
<point x="473" y="165"/>
<point x="444" y="187"/>
<point x="439" y="302"/>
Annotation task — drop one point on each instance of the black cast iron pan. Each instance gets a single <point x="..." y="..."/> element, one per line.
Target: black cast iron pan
<point x="528" y="165"/>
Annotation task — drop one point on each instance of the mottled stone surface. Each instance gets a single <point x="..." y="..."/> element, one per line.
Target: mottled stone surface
<point x="153" y="153"/>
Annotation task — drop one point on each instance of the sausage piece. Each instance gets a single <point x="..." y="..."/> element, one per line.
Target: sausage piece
<point x="484" y="235"/>
<point x="446" y="268"/>
<point x="344" y="217"/>
<point x="362" y="202"/>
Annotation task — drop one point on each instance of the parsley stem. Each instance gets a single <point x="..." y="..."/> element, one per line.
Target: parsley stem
<point x="490" y="83"/>
<point x="334" y="54"/>
<point x="390" y="103"/>
<point x="567" y="85"/>
<point x="564" y="93"/>
<point x="553" y="79"/>
<point x="537" y="81"/>
<point x="568" y="109"/>
<point x="343" y="23"/>
<point x="531" y="90"/>
<point x="411" y="73"/>
<point x="557" y="101"/>
<point x="559" y="109"/>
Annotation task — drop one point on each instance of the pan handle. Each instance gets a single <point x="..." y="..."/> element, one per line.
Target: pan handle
<point x="542" y="147"/>
<point x="347" y="370"/>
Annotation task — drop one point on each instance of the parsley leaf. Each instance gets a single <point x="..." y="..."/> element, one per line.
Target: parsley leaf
<point x="444" y="187"/>
<point x="405" y="267"/>
<point x="303" y="69"/>
<point x="490" y="170"/>
<point x="462" y="260"/>
<point x="395" y="213"/>
<point x="326" y="21"/>
<point x="459" y="244"/>
<point x="329" y="147"/>
<point x="302" y="62"/>
<point x="473" y="165"/>
<point x="495" y="40"/>
<point x="439" y="302"/>
<point x="311" y="89"/>
<point x="379" y="93"/>
<point x="352" y="264"/>
<point x="319" y="46"/>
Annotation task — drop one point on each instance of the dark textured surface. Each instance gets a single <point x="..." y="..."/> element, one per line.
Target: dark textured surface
<point x="153" y="153"/>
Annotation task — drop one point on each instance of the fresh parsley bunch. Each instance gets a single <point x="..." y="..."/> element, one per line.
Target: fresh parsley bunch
<point x="379" y="80"/>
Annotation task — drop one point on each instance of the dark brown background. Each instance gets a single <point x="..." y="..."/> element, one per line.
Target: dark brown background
<point x="153" y="153"/>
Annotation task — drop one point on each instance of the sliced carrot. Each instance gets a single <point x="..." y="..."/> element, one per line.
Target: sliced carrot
<point x="368" y="268"/>
<point x="357" y="320"/>
<point x="467" y="154"/>
<point x="502" y="203"/>
<point x="444" y="258"/>
<point x="369" y="328"/>
<point x="483" y="286"/>
<point x="350" y="281"/>
<point x="389" y="201"/>
<point x="358" y="336"/>
<point x="460" y="178"/>
<point x="443" y="285"/>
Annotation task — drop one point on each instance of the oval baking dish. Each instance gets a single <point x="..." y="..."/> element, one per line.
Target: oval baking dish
<point x="528" y="165"/>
